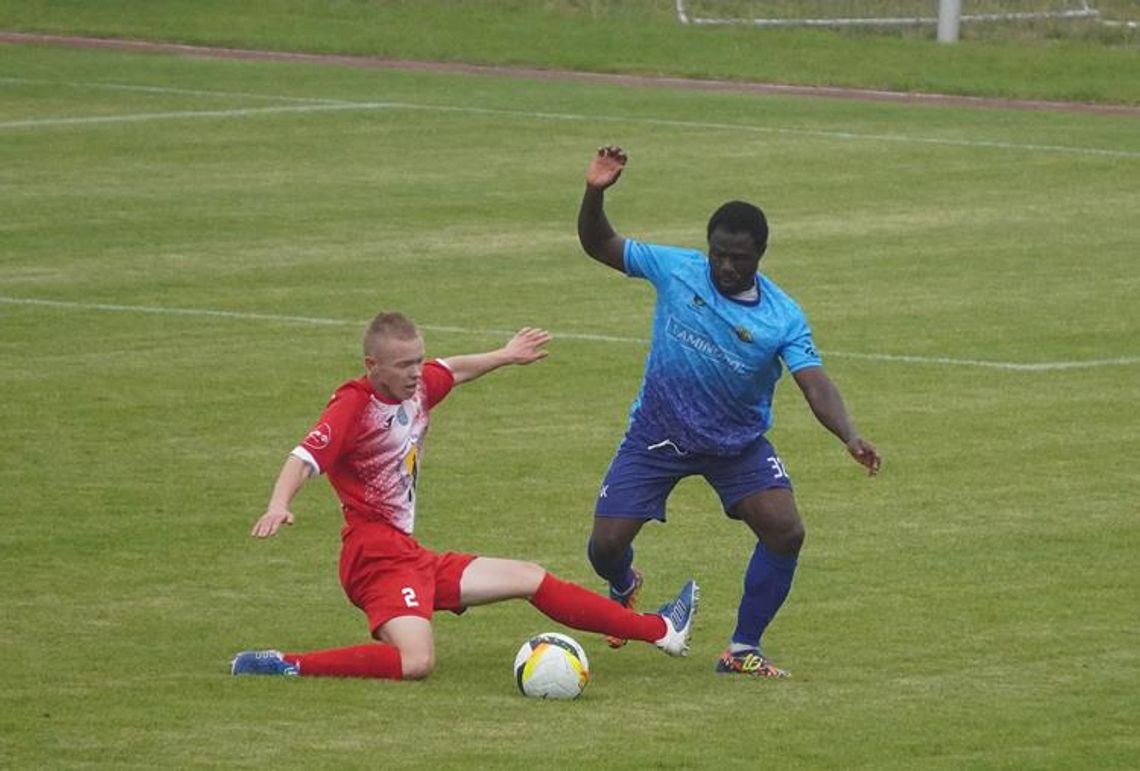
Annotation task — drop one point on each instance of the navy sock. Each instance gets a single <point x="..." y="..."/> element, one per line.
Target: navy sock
<point x="766" y="584"/>
<point x="618" y="572"/>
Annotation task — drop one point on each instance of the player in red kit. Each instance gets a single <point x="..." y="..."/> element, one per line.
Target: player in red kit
<point x="369" y="442"/>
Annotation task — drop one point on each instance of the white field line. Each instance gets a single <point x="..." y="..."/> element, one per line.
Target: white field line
<point x="318" y="104"/>
<point x="1045" y="366"/>
<point x="179" y="114"/>
<point x="108" y="86"/>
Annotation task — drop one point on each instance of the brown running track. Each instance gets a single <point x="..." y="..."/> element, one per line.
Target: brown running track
<point x="532" y="73"/>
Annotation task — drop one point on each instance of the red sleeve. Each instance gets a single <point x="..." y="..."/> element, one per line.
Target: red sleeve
<point x="332" y="434"/>
<point x="438" y="381"/>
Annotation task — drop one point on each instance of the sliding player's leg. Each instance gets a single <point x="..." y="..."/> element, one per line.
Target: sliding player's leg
<point x="405" y="651"/>
<point x="393" y="580"/>
<point x="487" y="579"/>
<point x="411" y="637"/>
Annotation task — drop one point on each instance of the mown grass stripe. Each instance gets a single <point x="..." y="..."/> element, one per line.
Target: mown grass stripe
<point x="1045" y="366"/>
<point x="318" y="104"/>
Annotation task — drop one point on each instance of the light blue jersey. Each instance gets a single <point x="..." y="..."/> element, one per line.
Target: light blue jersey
<point x="714" y="361"/>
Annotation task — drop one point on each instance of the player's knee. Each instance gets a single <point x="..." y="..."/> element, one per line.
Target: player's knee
<point x="530" y="575"/>
<point x="603" y="561"/>
<point x="606" y="547"/>
<point x="417" y="665"/>
<point x="787" y="540"/>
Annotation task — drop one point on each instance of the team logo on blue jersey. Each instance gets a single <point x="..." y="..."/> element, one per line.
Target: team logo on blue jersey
<point x="744" y="334"/>
<point x="698" y="301"/>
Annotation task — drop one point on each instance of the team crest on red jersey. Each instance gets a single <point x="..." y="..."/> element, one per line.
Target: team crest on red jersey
<point x="319" y="437"/>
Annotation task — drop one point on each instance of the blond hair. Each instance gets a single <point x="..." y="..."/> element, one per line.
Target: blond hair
<point x="388" y="324"/>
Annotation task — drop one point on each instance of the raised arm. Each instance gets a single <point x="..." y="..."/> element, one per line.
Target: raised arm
<point x="827" y="404"/>
<point x="524" y="348"/>
<point x="292" y="478"/>
<point x="595" y="233"/>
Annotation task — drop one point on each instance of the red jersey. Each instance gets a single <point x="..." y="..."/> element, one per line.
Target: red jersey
<point x="371" y="447"/>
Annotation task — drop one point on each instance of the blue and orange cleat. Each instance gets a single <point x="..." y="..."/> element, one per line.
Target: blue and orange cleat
<point x="678" y="615"/>
<point x="262" y="663"/>
<point x="750" y="662"/>
<point x="629" y="600"/>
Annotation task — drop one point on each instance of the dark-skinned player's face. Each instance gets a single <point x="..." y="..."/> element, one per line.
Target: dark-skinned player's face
<point x="734" y="259"/>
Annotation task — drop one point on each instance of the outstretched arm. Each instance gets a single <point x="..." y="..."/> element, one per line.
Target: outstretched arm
<point x="827" y="404"/>
<point x="595" y="233"/>
<point x="524" y="348"/>
<point x="292" y="478"/>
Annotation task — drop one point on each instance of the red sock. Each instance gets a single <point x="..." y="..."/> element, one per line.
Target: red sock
<point x="372" y="660"/>
<point x="580" y="608"/>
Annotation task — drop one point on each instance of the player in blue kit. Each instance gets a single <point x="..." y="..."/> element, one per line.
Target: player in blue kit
<point x="722" y="334"/>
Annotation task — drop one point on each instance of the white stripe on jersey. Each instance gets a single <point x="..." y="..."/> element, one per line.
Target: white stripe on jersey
<point x="305" y="456"/>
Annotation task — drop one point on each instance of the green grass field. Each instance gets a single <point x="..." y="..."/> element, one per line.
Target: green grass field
<point x="1071" y="61"/>
<point x="188" y="249"/>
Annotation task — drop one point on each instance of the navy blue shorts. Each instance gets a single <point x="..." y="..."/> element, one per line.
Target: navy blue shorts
<point x="641" y="476"/>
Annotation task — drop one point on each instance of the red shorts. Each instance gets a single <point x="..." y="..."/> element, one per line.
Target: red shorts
<point x="386" y="573"/>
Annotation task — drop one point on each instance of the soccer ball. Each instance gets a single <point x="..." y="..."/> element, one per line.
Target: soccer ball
<point x="551" y="666"/>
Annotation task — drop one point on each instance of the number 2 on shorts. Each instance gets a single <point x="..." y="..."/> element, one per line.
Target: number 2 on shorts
<point x="410" y="597"/>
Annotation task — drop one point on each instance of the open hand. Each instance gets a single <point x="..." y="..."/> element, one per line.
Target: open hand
<point x="606" y="167"/>
<point x="270" y="522"/>
<point x="526" y="346"/>
<point x="865" y="454"/>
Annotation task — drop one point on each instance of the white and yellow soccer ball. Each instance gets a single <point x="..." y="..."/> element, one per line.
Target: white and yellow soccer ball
<point x="551" y="666"/>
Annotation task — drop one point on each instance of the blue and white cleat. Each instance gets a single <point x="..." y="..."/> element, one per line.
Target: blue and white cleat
<point x="262" y="663"/>
<point x="678" y="615"/>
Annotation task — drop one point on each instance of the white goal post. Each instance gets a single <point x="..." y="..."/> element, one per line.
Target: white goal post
<point x="949" y="15"/>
